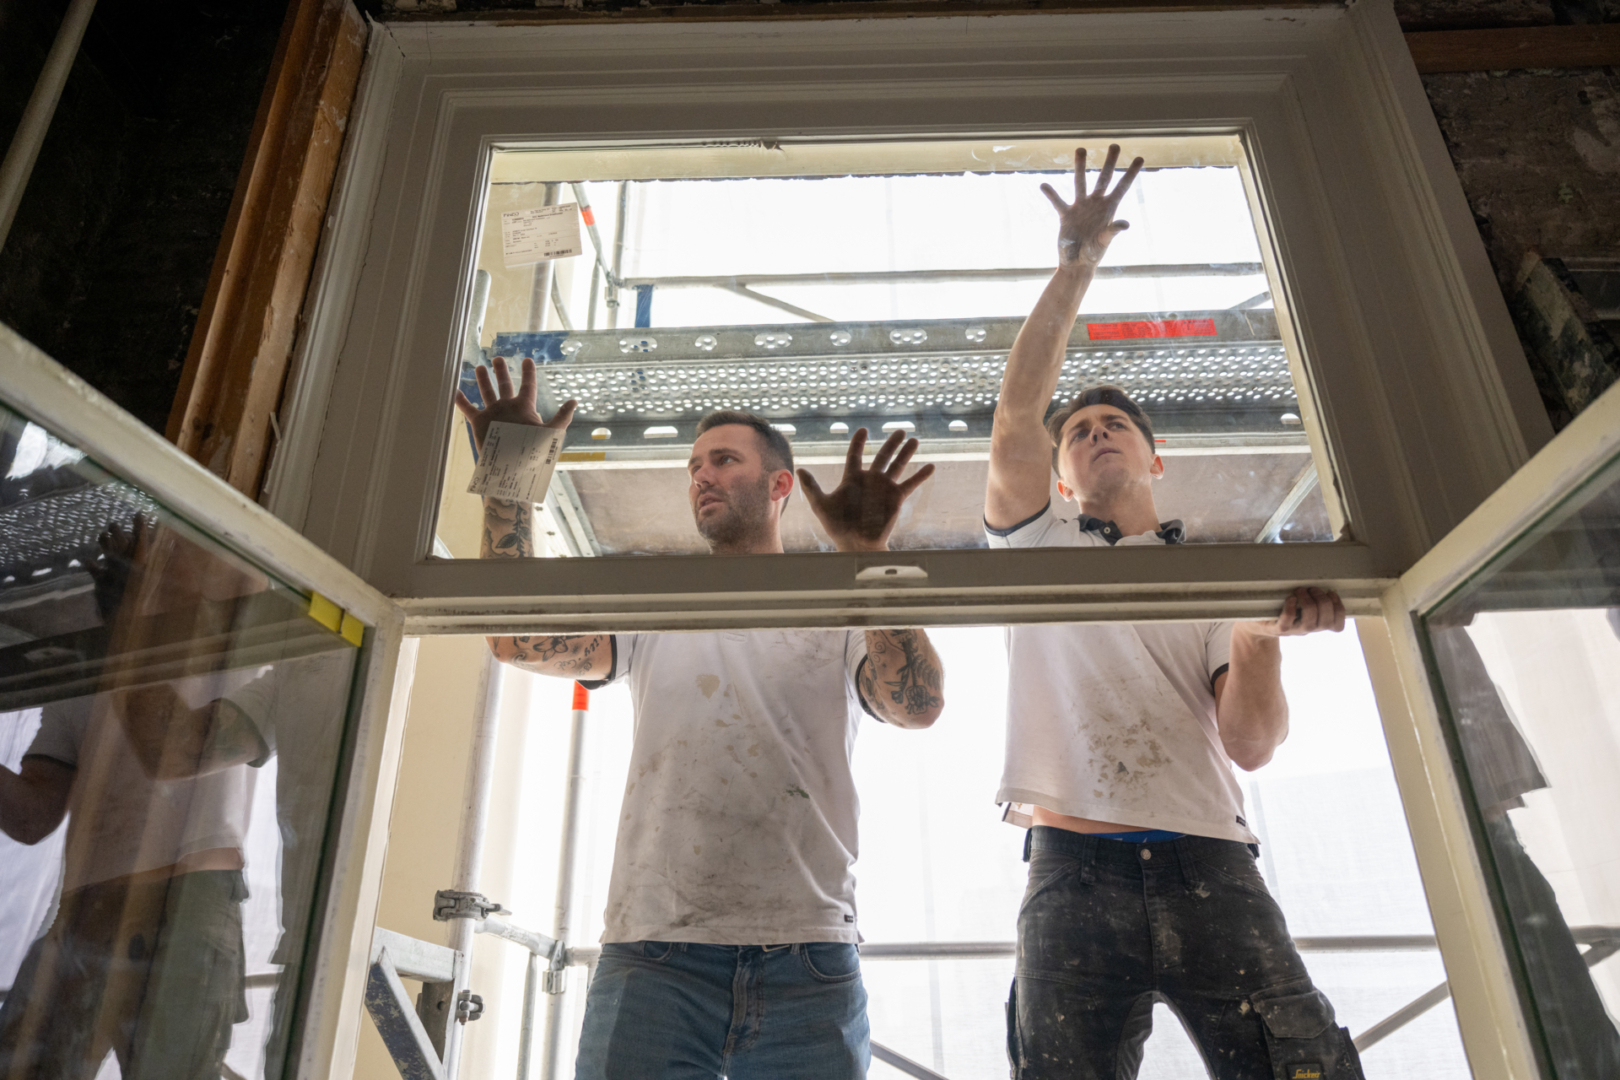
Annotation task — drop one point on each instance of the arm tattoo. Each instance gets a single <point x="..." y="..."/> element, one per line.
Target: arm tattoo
<point x="911" y="679"/>
<point x="508" y="530"/>
<point x="509" y="534"/>
<point x="556" y="654"/>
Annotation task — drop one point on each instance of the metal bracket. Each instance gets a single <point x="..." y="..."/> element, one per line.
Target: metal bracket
<point x="469" y="1006"/>
<point x="450" y="904"/>
<point x="554" y="980"/>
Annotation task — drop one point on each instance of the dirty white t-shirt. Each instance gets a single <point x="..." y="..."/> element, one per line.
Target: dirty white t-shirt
<point x="739" y="818"/>
<point x="120" y="821"/>
<point x="1116" y="721"/>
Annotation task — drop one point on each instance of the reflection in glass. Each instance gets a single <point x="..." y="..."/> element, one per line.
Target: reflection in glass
<point x="1528" y="664"/>
<point x="829" y="287"/>
<point x="170" y="726"/>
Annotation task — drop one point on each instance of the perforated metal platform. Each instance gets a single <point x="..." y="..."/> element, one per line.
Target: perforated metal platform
<point x="41" y="536"/>
<point x="1220" y="371"/>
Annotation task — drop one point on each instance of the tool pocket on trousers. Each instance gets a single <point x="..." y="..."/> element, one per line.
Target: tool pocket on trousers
<point x="1047" y="873"/>
<point x="1302" y="1038"/>
<point x="1013" y="1054"/>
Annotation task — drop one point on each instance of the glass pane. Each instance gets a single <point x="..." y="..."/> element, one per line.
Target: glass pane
<point x="834" y="287"/>
<point x="937" y="864"/>
<point x="1527" y="661"/>
<point x="171" y="722"/>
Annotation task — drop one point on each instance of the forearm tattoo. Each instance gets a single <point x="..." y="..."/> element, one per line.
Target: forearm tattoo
<point x="508" y="530"/>
<point x="901" y="678"/>
<point x="509" y="534"/>
<point x="556" y="655"/>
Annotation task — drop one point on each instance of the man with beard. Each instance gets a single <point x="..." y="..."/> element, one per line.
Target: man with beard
<point x="1120" y="745"/>
<point x="729" y="947"/>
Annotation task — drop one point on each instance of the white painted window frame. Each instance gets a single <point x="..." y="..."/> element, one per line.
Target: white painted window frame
<point x="1415" y="389"/>
<point x="334" y="979"/>
<point x="1494" y="1027"/>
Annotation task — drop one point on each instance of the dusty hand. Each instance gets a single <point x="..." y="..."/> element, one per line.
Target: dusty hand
<point x="1086" y="227"/>
<point x="507" y="406"/>
<point x="859" y="514"/>
<point x="1306" y="611"/>
<point x="123" y="556"/>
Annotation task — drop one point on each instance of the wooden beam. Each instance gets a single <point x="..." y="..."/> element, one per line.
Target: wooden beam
<point x="242" y="345"/>
<point x="825" y="10"/>
<point x="1515" y="48"/>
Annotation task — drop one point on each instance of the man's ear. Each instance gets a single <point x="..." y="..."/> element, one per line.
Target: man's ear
<point x="1156" y="470"/>
<point x="782" y="482"/>
<point x="1067" y="492"/>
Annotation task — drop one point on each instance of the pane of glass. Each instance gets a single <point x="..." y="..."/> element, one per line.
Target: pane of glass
<point x="1527" y="661"/>
<point x="831" y="287"/>
<point x="171" y="722"/>
<point x="937" y="864"/>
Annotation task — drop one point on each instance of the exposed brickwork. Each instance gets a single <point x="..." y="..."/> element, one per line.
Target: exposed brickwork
<point x="1538" y="154"/>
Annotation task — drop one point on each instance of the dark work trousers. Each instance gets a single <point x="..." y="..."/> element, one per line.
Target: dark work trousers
<point x="151" y="970"/>
<point x="1108" y="928"/>
<point x="1581" y="1038"/>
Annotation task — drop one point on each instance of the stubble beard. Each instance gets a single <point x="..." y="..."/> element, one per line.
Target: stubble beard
<point x="744" y="520"/>
<point x="1112" y="485"/>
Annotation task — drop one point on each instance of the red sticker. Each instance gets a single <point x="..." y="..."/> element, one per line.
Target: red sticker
<point x="1158" y="328"/>
<point x="585" y="212"/>
<point x="582" y="698"/>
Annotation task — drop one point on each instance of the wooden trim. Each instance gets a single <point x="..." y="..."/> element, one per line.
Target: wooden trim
<point x="828" y="11"/>
<point x="1515" y="48"/>
<point x="243" y="342"/>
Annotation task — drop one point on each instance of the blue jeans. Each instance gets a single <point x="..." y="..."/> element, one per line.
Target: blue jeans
<point x="661" y="1010"/>
<point x="1110" y="927"/>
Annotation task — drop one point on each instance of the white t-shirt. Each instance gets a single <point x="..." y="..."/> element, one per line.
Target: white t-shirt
<point x="1116" y="721"/>
<point x="739" y="818"/>
<point x="120" y="821"/>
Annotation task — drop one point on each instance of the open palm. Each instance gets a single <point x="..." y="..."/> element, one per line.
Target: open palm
<point x="860" y="513"/>
<point x="1087" y="226"/>
<point x="504" y="405"/>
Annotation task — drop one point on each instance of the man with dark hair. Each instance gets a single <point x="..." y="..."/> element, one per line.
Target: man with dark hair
<point x="1120" y="745"/>
<point x="729" y="947"/>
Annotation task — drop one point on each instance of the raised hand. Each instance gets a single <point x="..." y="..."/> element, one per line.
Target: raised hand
<point x="859" y="514"/>
<point x="1087" y="226"/>
<point x="503" y="405"/>
<point x="1306" y="611"/>
<point x="124" y="554"/>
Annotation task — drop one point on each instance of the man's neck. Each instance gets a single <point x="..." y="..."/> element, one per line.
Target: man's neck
<point x="748" y="549"/>
<point x="768" y="542"/>
<point x="1134" y="516"/>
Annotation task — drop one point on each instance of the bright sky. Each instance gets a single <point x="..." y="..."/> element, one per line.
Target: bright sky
<point x="779" y="226"/>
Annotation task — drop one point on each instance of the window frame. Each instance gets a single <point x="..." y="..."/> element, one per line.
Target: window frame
<point x="1465" y="917"/>
<point x="1417" y="414"/>
<point x="333" y="977"/>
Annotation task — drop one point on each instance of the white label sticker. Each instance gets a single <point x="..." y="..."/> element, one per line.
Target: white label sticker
<point x="531" y="236"/>
<point x="516" y="462"/>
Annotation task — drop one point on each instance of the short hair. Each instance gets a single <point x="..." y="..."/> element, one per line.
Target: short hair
<point x="1097" y="395"/>
<point x="777" y="451"/>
